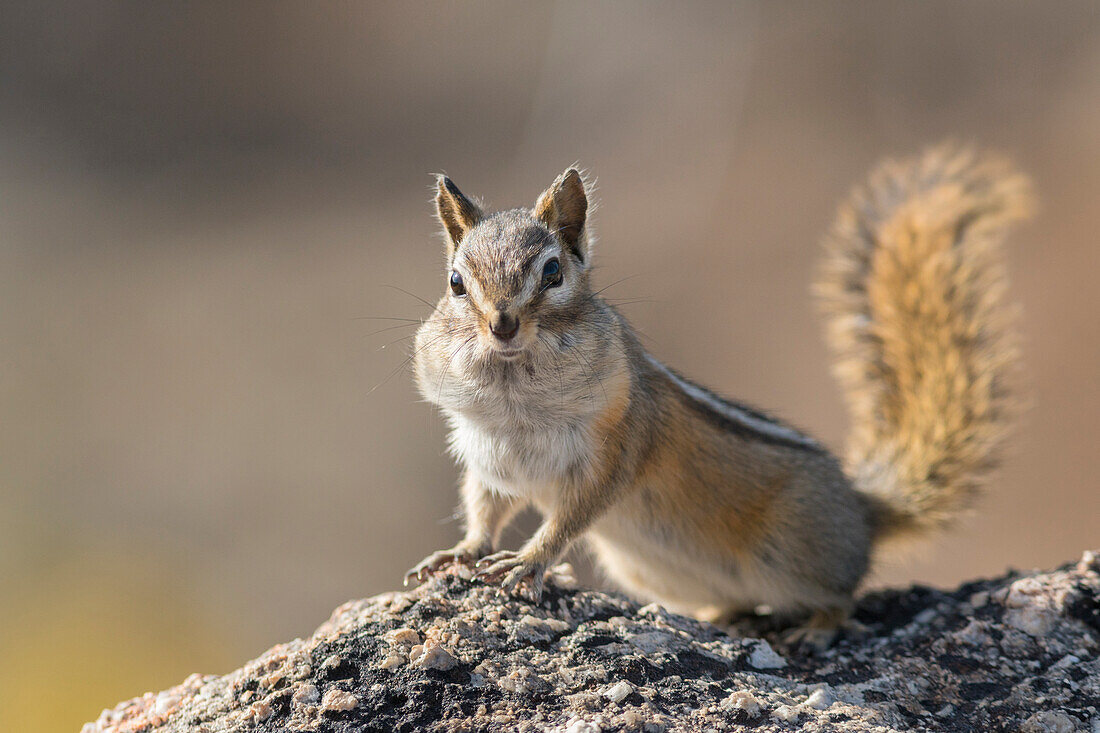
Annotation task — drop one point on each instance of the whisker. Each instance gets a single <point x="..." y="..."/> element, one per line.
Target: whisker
<point x="556" y="363"/>
<point x="411" y="295"/>
<point x="587" y="375"/>
<point x="620" y="280"/>
<point x="406" y="362"/>
<point x="450" y="362"/>
<point x="386" y="318"/>
<point x="597" y="376"/>
<point x="561" y="385"/>
<point x="605" y="397"/>
<point x="397" y="340"/>
<point x="393" y="328"/>
<point x="390" y="376"/>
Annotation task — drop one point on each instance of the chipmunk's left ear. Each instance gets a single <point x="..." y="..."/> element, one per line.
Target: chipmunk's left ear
<point x="564" y="208"/>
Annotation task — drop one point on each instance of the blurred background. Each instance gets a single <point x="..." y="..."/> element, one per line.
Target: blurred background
<point x="205" y="447"/>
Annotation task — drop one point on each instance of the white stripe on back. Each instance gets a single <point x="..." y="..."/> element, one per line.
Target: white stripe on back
<point x="731" y="412"/>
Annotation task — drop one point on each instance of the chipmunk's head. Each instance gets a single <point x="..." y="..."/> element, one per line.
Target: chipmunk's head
<point x="515" y="280"/>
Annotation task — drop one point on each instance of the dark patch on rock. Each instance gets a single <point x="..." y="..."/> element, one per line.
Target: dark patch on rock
<point x="1084" y="605"/>
<point x="981" y="690"/>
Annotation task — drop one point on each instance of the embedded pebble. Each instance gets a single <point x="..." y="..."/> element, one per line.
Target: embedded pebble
<point x="259" y="711"/>
<point x="618" y="691"/>
<point x="539" y="629"/>
<point x="394" y="660"/>
<point x="576" y="725"/>
<point x="403" y="637"/>
<point x="764" y="657"/>
<point x="338" y="700"/>
<point x="434" y="656"/>
<point x="1031" y="607"/>
<point x="305" y="694"/>
<point x="819" y="699"/>
<point x="742" y="700"/>
<point x="165" y="703"/>
<point x="651" y="642"/>
<point x="1049" y="721"/>
<point x="786" y="713"/>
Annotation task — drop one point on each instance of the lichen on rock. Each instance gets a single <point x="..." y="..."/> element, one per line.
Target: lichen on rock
<point x="1013" y="653"/>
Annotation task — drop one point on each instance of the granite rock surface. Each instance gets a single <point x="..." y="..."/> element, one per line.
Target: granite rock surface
<point x="1020" y="652"/>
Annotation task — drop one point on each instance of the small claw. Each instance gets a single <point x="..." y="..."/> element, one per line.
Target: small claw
<point x="537" y="583"/>
<point x="511" y="571"/>
<point x="426" y="567"/>
<point x="496" y="558"/>
<point x="485" y="574"/>
<point x="437" y="561"/>
<point x="493" y="571"/>
<point x="532" y="577"/>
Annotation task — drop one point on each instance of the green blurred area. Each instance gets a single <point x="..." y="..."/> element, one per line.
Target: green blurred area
<point x="205" y="447"/>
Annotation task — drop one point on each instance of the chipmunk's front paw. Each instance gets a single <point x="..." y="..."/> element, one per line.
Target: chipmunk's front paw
<point x="460" y="554"/>
<point x="512" y="570"/>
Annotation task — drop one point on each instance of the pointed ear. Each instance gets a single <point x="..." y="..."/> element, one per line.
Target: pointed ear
<point x="563" y="208"/>
<point x="456" y="212"/>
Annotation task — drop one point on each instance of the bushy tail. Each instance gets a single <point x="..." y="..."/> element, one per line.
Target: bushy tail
<point x="913" y="284"/>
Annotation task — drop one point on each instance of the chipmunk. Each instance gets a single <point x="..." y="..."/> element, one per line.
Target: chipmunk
<point x="688" y="498"/>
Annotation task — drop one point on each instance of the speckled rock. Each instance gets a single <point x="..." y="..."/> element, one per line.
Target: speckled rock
<point x="1018" y="652"/>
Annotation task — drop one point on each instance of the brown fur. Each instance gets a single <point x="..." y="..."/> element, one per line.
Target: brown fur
<point x="684" y="497"/>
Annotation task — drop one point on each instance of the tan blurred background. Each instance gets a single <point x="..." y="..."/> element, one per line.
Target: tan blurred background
<point x="200" y="202"/>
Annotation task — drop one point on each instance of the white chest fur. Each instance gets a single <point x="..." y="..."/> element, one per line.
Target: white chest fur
<point x="525" y="462"/>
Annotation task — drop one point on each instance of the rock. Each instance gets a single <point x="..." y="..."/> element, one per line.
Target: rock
<point x="1018" y="652"/>
<point x="819" y="699"/>
<point x="305" y="694"/>
<point x="338" y="701"/>
<point x="742" y="700"/>
<point x="403" y="637"/>
<point x="618" y="691"/>
<point x="1033" y="609"/>
<point x="764" y="657"/>
<point x="433" y="656"/>
<point x="1049" y="722"/>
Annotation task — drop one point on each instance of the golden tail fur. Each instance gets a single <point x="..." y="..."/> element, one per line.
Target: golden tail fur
<point x="913" y="284"/>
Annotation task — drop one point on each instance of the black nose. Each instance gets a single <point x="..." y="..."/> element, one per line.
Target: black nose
<point x="504" y="326"/>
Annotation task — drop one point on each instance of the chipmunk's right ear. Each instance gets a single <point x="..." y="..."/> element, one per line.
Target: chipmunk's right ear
<point x="564" y="208"/>
<point x="457" y="213"/>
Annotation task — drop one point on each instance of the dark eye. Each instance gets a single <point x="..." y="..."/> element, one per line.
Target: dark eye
<point x="457" y="286"/>
<point x="551" y="274"/>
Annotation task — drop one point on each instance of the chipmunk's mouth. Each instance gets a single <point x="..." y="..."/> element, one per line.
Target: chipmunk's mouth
<point x="510" y="349"/>
<point x="509" y="353"/>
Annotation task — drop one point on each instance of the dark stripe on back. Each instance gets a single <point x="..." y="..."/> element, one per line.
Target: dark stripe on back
<point x="739" y="428"/>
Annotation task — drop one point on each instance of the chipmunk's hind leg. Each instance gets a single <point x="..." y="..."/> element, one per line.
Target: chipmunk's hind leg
<point x="821" y="630"/>
<point x="755" y="621"/>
